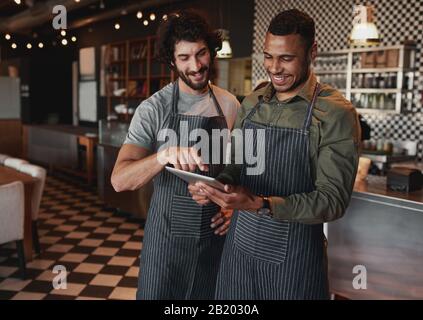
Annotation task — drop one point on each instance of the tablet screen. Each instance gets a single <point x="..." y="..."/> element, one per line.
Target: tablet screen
<point x="190" y="177"/>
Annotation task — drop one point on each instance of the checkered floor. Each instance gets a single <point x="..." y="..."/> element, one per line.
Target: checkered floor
<point x="98" y="247"/>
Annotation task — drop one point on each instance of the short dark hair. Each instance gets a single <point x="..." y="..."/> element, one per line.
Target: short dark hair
<point x="294" y="22"/>
<point x="184" y="25"/>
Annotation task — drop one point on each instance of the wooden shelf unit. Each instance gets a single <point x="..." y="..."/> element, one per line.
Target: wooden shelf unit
<point x="130" y="65"/>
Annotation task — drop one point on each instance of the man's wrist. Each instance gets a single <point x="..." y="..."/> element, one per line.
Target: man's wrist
<point x="258" y="203"/>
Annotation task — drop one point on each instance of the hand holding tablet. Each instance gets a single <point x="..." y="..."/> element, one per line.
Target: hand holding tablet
<point x="190" y="177"/>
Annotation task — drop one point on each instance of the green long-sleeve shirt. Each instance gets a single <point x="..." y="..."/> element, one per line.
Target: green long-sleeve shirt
<point x="334" y="150"/>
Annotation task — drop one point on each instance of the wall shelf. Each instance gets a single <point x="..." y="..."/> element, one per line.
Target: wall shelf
<point x="130" y="65"/>
<point x="382" y="77"/>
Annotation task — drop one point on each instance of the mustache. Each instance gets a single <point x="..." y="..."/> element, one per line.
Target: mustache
<point x="193" y="73"/>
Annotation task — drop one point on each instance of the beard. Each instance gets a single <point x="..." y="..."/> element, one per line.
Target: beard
<point x="301" y="80"/>
<point x="195" y="85"/>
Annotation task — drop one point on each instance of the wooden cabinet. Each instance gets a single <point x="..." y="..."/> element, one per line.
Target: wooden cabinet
<point x="134" y="202"/>
<point x="11" y="137"/>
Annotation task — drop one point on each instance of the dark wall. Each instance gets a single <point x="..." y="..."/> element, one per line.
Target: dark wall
<point x="51" y="86"/>
<point x="236" y="16"/>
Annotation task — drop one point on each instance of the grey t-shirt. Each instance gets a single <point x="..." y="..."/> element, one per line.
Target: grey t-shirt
<point x="153" y="113"/>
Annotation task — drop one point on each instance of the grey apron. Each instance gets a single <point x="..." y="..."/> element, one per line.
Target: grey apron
<point x="181" y="254"/>
<point x="264" y="258"/>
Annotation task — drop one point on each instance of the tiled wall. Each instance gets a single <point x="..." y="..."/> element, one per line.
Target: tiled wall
<point x="397" y="20"/>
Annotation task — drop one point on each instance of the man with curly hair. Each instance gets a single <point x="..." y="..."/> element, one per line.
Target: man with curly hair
<point x="183" y="240"/>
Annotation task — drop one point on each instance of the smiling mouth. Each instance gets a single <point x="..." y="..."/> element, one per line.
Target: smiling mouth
<point x="198" y="75"/>
<point x="280" y="79"/>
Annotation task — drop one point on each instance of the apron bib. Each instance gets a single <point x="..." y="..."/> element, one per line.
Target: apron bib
<point x="181" y="254"/>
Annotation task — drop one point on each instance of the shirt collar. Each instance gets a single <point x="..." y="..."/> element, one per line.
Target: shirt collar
<point x="305" y="93"/>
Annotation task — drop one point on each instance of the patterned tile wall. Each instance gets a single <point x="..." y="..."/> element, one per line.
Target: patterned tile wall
<point x="397" y="20"/>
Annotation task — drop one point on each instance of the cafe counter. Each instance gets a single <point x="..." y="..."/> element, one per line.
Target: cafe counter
<point x="376" y="250"/>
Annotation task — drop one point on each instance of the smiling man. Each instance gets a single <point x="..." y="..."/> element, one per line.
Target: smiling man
<point x="275" y="248"/>
<point x="183" y="241"/>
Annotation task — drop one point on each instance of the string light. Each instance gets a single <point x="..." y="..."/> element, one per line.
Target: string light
<point x="73" y="39"/>
<point x="7" y="36"/>
<point x="152" y="17"/>
<point x="18" y="1"/>
<point x="139" y="14"/>
<point x="145" y="22"/>
<point x="29" y="46"/>
<point x="64" y="42"/>
<point x="164" y="17"/>
<point x="40" y="45"/>
<point x="117" y="26"/>
<point x="63" y="33"/>
<point x="14" y="46"/>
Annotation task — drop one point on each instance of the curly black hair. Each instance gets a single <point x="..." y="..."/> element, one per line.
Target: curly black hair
<point x="184" y="25"/>
<point x="294" y="22"/>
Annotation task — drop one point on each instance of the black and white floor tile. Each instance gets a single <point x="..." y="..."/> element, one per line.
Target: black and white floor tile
<point x="98" y="247"/>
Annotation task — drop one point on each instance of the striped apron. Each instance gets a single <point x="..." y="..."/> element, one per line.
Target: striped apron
<point x="181" y="254"/>
<point x="270" y="259"/>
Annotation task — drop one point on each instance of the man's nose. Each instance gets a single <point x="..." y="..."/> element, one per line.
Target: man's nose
<point x="195" y="65"/>
<point x="276" y="67"/>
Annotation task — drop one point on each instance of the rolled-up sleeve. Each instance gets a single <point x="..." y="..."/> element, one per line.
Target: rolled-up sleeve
<point x="336" y="168"/>
<point x="143" y="128"/>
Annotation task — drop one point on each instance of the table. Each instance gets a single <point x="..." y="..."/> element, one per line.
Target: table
<point x="84" y="136"/>
<point x="9" y="175"/>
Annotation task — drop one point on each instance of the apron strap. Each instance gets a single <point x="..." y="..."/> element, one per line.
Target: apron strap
<point x="254" y="109"/>
<point x="175" y="99"/>
<point x="307" y="121"/>
<point x="216" y="103"/>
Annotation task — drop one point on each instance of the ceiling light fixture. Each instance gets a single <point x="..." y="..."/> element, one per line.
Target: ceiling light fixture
<point x="14" y="46"/>
<point x="364" y="32"/>
<point x="226" y="51"/>
<point x="139" y="14"/>
<point x="63" y="33"/>
<point x="7" y="36"/>
<point x="64" y="42"/>
<point x="152" y="17"/>
<point x="73" y="39"/>
<point x="29" y="46"/>
<point x="117" y="26"/>
<point x="145" y="22"/>
<point x="18" y="1"/>
<point x="40" y="45"/>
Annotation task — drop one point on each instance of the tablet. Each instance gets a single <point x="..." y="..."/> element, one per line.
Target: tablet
<point x="194" y="177"/>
